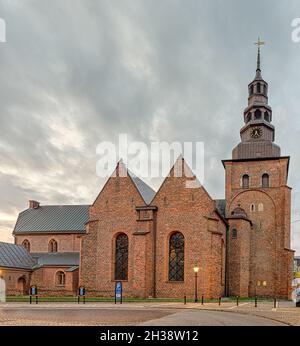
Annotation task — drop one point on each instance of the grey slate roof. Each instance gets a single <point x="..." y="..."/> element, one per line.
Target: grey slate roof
<point x="56" y="259"/>
<point x="145" y="190"/>
<point x="53" y="218"/>
<point x="15" y="256"/>
<point x="221" y="206"/>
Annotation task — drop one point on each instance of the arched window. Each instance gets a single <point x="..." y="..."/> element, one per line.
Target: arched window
<point x="257" y="114"/>
<point x="52" y="245"/>
<point x="252" y="207"/>
<point x="60" y="278"/>
<point x="176" y="257"/>
<point x="266" y="116"/>
<point x="121" y="259"/>
<point x="258" y="88"/>
<point x="26" y="244"/>
<point x="265" y="180"/>
<point x="245" y="182"/>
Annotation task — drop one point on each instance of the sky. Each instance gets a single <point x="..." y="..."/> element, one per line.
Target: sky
<point x="76" y="73"/>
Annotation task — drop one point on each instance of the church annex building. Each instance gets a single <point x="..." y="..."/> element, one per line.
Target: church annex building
<point x="151" y="241"/>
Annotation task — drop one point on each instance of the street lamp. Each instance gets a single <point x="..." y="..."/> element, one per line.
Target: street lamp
<point x="196" y="269"/>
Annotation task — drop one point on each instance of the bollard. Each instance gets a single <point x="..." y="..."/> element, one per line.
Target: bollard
<point x="255" y="302"/>
<point x="184" y="300"/>
<point x="83" y="299"/>
<point x="237" y="300"/>
<point x="202" y="299"/>
<point x="220" y="300"/>
<point x="275" y="303"/>
<point x="78" y="299"/>
<point x="36" y="300"/>
<point x="30" y="299"/>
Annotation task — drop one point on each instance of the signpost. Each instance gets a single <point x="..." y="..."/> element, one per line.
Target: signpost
<point x="33" y="292"/>
<point x="118" y="292"/>
<point x="81" y="293"/>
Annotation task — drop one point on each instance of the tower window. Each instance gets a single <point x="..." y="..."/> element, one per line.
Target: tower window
<point x="245" y="181"/>
<point x="266" y="116"/>
<point x="258" y="88"/>
<point x="252" y="207"/>
<point x="265" y="180"/>
<point x="234" y="234"/>
<point x="265" y="89"/>
<point x="257" y="114"/>
<point x="260" y="207"/>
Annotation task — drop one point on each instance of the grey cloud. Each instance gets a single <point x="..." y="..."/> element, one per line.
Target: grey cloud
<point x="74" y="73"/>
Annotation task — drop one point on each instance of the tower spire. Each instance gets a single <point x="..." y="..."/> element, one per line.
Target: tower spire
<point x="257" y="134"/>
<point x="258" y="69"/>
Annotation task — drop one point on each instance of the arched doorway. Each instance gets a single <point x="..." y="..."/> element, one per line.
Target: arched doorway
<point x="21" y="286"/>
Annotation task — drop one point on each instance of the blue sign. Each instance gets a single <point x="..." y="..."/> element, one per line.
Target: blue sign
<point x="81" y="291"/>
<point x="33" y="290"/>
<point x="118" y="291"/>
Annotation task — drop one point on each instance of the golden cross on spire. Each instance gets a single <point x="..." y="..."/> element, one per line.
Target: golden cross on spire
<point x="259" y="42"/>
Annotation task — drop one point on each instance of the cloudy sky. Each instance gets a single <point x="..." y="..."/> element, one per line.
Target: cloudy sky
<point x="75" y="73"/>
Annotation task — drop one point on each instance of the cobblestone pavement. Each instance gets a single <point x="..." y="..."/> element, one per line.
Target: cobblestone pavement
<point x="149" y="314"/>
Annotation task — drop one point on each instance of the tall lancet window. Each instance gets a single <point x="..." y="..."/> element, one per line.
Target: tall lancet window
<point x="121" y="259"/>
<point x="265" y="180"/>
<point x="245" y="181"/>
<point x="176" y="257"/>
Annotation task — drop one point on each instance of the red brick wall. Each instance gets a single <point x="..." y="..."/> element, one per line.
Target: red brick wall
<point x="11" y="277"/>
<point x="45" y="280"/>
<point x="40" y="242"/>
<point x="270" y="234"/>
<point x="239" y="258"/>
<point x="113" y="213"/>
<point x="191" y="212"/>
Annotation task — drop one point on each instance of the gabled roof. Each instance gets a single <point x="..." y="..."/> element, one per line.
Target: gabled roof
<point x="145" y="190"/>
<point x="53" y="218"/>
<point x="15" y="256"/>
<point x="56" y="259"/>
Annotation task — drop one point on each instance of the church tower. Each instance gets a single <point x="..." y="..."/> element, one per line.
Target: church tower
<point x="258" y="203"/>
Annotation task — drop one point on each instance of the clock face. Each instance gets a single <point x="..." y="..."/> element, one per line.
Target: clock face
<point x="256" y="132"/>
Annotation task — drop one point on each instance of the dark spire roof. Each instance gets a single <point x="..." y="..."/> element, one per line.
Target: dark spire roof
<point x="258" y="68"/>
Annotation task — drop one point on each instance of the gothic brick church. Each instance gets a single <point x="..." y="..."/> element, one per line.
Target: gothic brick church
<point x="151" y="241"/>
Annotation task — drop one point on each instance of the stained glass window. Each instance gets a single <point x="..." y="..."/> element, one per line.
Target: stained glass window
<point x="176" y="257"/>
<point x="121" y="261"/>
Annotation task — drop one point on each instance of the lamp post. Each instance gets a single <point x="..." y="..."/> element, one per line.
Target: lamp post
<point x="196" y="269"/>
